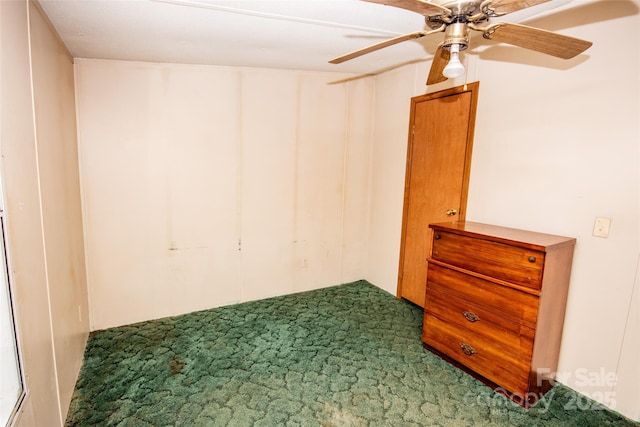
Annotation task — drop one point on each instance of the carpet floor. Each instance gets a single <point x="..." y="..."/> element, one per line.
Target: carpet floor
<point x="349" y="355"/>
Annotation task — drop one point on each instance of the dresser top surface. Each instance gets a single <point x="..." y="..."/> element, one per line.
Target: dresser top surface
<point x="532" y="239"/>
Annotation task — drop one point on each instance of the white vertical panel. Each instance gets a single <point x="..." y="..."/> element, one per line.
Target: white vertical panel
<point x="121" y="209"/>
<point x="199" y="184"/>
<point x="388" y="164"/>
<point x="55" y="113"/>
<point x="357" y="162"/>
<point x="269" y="103"/>
<point x="321" y="142"/>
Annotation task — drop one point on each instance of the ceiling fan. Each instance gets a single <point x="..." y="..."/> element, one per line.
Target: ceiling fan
<point x="457" y="18"/>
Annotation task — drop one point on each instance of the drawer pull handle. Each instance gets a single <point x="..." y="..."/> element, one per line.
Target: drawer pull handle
<point x="437" y="237"/>
<point x="452" y="212"/>
<point x="470" y="316"/>
<point x="532" y="259"/>
<point x="467" y="349"/>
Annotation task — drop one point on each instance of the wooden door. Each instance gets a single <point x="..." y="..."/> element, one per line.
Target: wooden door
<point x="437" y="177"/>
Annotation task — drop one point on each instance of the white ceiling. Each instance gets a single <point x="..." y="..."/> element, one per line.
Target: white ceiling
<point x="285" y="34"/>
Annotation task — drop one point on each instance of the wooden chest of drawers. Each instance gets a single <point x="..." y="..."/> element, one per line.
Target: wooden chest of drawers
<point x="495" y="304"/>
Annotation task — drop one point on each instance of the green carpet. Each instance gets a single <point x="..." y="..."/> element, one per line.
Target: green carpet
<point x="348" y="355"/>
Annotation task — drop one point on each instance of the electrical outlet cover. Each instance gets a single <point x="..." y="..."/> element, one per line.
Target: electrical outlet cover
<point x="601" y="227"/>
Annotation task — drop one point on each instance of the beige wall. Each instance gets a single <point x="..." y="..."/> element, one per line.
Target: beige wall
<point x="24" y="228"/>
<point x="567" y="155"/>
<point x="54" y="101"/>
<point x="206" y="186"/>
<point x="44" y="228"/>
<point x="557" y="144"/>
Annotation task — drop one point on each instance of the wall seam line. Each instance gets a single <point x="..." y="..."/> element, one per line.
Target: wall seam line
<point x="345" y="151"/>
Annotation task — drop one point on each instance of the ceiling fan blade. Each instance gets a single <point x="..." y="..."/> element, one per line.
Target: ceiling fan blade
<point x="440" y="60"/>
<point x="543" y="41"/>
<point x="532" y="11"/>
<point x="419" y="6"/>
<point x="377" y="46"/>
<point x="509" y="6"/>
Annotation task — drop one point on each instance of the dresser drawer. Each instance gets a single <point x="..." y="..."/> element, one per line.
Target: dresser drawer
<point x="478" y="353"/>
<point x="510" y="263"/>
<point x="478" y="320"/>
<point x="516" y="305"/>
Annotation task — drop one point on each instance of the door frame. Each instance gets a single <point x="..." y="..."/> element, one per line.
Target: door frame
<point x="472" y="88"/>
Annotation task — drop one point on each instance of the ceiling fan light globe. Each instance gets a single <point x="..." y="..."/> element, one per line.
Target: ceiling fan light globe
<point x="454" y="68"/>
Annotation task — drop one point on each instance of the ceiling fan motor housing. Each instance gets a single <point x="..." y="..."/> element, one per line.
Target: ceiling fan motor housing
<point x="462" y="12"/>
<point x="456" y="33"/>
